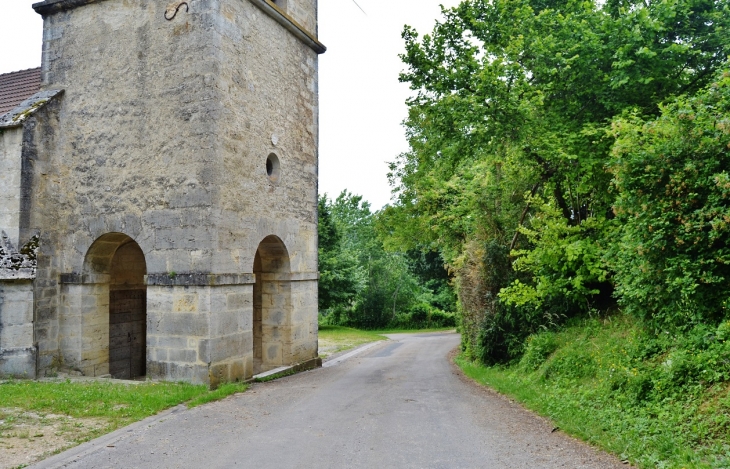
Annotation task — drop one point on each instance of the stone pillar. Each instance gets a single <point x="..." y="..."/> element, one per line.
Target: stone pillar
<point x="84" y="323"/>
<point x="304" y="327"/>
<point x="199" y="327"/>
<point x="17" y="348"/>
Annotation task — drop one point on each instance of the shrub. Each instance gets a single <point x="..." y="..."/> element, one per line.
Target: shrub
<point x="423" y="316"/>
<point x="442" y="318"/>
<point x="673" y="178"/>
<point x="537" y="349"/>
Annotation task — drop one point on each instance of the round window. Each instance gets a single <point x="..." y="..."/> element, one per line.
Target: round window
<point x="272" y="167"/>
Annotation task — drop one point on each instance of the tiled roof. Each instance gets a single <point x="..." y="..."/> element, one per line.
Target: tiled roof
<point x="16" y="87"/>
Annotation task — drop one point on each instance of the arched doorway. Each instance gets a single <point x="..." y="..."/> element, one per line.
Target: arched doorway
<point x="271" y="305"/>
<point x="118" y="325"/>
<point x="127" y="313"/>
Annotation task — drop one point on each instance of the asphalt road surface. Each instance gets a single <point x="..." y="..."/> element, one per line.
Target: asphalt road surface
<point x="399" y="404"/>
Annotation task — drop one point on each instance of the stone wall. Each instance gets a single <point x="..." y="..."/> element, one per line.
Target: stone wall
<point x="11" y="141"/>
<point x="200" y="333"/>
<point x="17" y="350"/>
<point x="162" y="135"/>
<point x="271" y="82"/>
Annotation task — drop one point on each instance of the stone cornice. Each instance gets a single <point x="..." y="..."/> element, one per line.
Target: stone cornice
<point x="291" y="25"/>
<point x="198" y="279"/>
<point x="49" y="7"/>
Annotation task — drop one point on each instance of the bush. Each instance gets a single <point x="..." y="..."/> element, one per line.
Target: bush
<point x="442" y="318"/>
<point x="423" y="316"/>
<point x="537" y="349"/>
<point x="673" y="177"/>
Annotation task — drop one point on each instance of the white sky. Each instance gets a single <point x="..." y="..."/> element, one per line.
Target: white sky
<point x="362" y="104"/>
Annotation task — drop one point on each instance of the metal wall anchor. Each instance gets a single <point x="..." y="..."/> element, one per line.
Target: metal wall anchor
<point x="187" y="9"/>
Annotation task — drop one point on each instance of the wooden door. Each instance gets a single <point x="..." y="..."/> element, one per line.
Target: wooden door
<point x="127" y="333"/>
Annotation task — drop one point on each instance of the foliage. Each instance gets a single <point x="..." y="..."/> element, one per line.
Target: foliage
<point x="339" y="275"/>
<point x="364" y="284"/>
<point x="672" y="175"/>
<point x="428" y="267"/>
<point x="510" y="146"/>
<point x="423" y="316"/>
<point x="656" y="400"/>
<point x="538" y="348"/>
<point x="566" y="263"/>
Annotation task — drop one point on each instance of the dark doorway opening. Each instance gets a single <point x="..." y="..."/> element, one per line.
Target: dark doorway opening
<point x="128" y="313"/>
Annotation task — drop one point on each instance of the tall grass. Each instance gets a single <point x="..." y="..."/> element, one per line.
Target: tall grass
<point x="657" y="402"/>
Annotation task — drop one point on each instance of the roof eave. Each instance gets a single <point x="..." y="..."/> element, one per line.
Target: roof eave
<point x="27" y="108"/>
<point x="291" y="25"/>
<point x="49" y="7"/>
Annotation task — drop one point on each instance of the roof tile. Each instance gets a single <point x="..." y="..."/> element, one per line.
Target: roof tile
<point x="16" y="87"/>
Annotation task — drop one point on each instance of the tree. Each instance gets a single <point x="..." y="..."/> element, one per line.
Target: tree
<point x="364" y="284"/>
<point x="338" y="269"/>
<point x="672" y="174"/>
<point x="510" y="142"/>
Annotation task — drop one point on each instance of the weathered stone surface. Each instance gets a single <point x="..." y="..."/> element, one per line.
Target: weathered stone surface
<point x="159" y="145"/>
<point x="17" y="350"/>
<point x="17" y="264"/>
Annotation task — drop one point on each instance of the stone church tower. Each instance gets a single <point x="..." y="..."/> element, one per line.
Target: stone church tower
<point x="166" y="192"/>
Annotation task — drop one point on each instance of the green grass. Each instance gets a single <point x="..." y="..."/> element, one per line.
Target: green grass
<point x="333" y="339"/>
<point x="659" y="403"/>
<point x="119" y="404"/>
<point x="223" y="390"/>
<point x="72" y="412"/>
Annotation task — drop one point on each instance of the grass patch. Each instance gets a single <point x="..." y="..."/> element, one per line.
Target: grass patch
<point x="223" y="390"/>
<point x="38" y="419"/>
<point x="333" y="339"/>
<point x="659" y="403"/>
<point x="120" y="403"/>
<point x="117" y="404"/>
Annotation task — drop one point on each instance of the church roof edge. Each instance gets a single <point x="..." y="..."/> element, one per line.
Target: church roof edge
<point x="49" y="7"/>
<point x="17" y="116"/>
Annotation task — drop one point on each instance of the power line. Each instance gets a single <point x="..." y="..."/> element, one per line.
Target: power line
<point x="353" y="1"/>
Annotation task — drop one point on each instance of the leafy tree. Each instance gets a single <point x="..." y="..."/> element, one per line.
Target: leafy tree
<point x="509" y="142"/>
<point x="672" y="174"/>
<point x="361" y="284"/>
<point x="428" y="267"/>
<point x="339" y="274"/>
<point x="364" y="284"/>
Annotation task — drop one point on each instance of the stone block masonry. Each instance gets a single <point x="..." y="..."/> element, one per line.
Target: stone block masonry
<point x="17" y="349"/>
<point x="170" y="173"/>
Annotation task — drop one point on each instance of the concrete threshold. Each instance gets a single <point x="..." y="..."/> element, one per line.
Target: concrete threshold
<point x="316" y="363"/>
<point x="274" y="372"/>
<point x="288" y="370"/>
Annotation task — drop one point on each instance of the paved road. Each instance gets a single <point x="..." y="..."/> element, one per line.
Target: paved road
<point x="399" y="404"/>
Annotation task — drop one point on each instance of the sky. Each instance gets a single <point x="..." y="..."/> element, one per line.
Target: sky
<point x="362" y="104"/>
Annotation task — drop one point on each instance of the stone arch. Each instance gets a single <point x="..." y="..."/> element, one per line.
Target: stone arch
<point x="114" y="308"/>
<point x="271" y="305"/>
